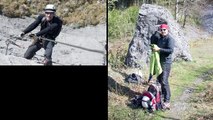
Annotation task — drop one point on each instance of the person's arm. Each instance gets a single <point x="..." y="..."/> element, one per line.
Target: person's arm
<point x="170" y="47"/>
<point x="47" y="29"/>
<point x="154" y="38"/>
<point x="33" y="25"/>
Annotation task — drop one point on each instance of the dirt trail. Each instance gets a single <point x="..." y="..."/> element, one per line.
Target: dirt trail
<point x="90" y="39"/>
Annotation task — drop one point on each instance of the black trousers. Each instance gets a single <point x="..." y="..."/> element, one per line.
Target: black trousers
<point x="164" y="81"/>
<point x="32" y="49"/>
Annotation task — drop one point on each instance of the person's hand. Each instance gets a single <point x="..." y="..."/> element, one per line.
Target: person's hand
<point x="32" y="35"/>
<point x="22" y="34"/>
<point x="155" y="48"/>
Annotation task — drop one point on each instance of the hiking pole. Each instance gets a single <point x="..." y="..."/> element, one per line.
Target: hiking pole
<point x="92" y="50"/>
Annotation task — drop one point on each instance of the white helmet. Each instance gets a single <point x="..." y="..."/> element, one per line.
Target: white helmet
<point x="145" y="101"/>
<point x="50" y="8"/>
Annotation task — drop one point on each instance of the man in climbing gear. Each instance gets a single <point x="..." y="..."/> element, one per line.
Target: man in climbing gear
<point x="50" y="28"/>
<point x="164" y="44"/>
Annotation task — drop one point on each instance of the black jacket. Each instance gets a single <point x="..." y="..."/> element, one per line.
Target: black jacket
<point x="48" y="29"/>
<point x="166" y="45"/>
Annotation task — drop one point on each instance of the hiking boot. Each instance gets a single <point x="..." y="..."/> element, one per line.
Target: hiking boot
<point x="166" y="105"/>
<point x="47" y="62"/>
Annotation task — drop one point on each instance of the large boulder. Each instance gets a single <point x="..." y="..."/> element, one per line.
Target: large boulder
<point x="149" y="19"/>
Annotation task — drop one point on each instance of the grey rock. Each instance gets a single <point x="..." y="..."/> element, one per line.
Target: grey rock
<point x="149" y="19"/>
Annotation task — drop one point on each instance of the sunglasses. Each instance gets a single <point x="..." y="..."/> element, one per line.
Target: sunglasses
<point x="163" y="29"/>
<point x="49" y="13"/>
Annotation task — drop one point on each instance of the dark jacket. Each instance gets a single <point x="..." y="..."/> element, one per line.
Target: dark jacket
<point x="48" y="29"/>
<point x="166" y="45"/>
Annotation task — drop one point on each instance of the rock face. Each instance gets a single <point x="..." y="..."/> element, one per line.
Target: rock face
<point x="13" y="60"/>
<point x="89" y="41"/>
<point x="149" y="19"/>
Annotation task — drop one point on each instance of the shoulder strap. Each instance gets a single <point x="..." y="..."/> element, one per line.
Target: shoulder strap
<point x="43" y="19"/>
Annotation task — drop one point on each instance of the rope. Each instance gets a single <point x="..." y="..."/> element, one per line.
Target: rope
<point x="83" y="48"/>
<point x="91" y="50"/>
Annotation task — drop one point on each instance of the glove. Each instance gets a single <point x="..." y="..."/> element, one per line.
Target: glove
<point x="32" y="35"/>
<point x="34" y="38"/>
<point x="22" y="34"/>
<point x="155" y="48"/>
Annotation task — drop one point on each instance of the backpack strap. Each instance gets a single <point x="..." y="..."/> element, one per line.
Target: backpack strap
<point x="43" y="20"/>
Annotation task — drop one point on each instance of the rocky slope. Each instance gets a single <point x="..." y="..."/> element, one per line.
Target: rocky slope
<point x="88" y="40"/>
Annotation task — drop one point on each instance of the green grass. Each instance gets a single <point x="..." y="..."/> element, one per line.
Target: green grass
<point x="200" y="88"/>
<point x="125" y="113"/>
<point x="121" y="23"/>
<point x="184" y="73"/>
<point x="202" y="99"/>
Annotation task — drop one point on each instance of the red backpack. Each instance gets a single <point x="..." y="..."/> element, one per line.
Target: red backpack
<point x="149" y="100"/>
<point x="155" y="89"/>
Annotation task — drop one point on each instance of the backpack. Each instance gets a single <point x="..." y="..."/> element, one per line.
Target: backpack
<point x="155" y="89"/>
<point x="146" y="101"/>
<point x="134" y="78"/>
<point x="150" y="99"/>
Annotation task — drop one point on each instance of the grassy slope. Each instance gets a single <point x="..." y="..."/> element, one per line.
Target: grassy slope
<point x="78" y="12"/>
<point x="183" y="74"/>
<point x="202" y="101"/>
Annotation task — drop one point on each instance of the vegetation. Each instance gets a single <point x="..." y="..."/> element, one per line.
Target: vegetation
<point x="122" y="23"/>
<point x="202" y="100"/>
<point x="120" y="31"/>
<point x="77" y="12"/>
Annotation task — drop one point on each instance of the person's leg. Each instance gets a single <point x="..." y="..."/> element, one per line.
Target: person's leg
<point x="163" y="80"/>
<point x="48" y="46"/>
<point x="31" y="50"/>
<point x="159" y="80"/>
